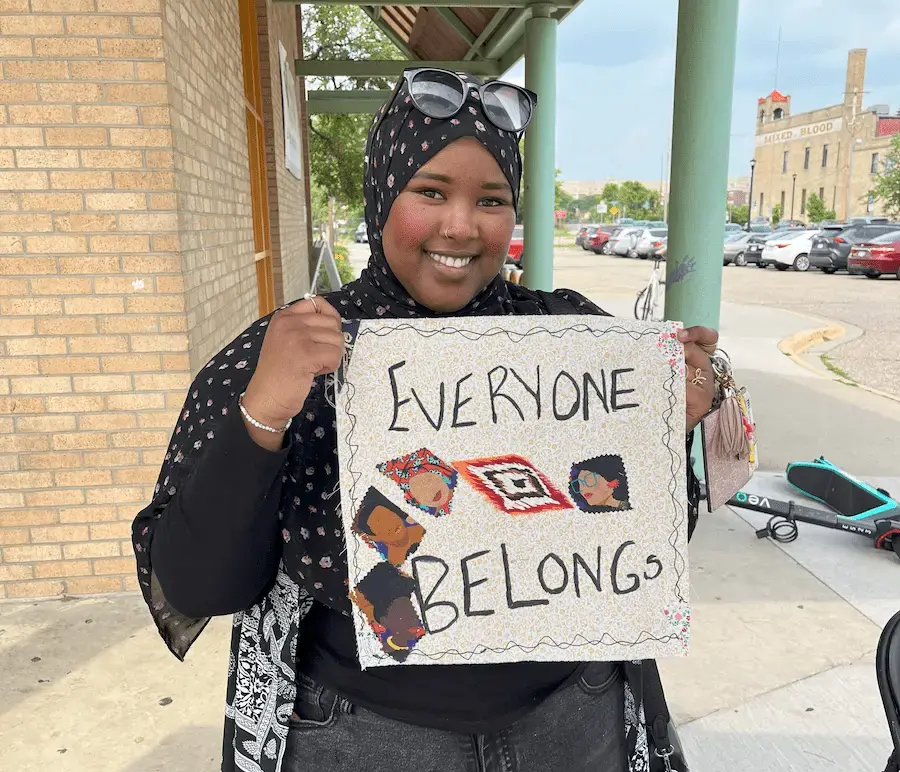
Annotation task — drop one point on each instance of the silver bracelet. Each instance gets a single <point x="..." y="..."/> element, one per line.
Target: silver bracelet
<point x="253" y="422"/>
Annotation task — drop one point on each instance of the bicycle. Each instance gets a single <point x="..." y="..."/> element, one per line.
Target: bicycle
<point x="647" y="306"/>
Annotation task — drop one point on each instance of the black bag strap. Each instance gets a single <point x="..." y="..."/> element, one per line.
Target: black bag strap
<point x="656" y="709"/>
<point x="557" y="305"/>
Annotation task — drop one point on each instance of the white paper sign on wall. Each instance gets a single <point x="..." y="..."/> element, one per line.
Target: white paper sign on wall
<point x="514" y="489"/>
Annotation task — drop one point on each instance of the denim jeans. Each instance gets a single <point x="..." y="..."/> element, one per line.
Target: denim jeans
<point x="578" y="728"/>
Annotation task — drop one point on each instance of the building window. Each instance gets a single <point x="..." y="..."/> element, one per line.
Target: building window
<point x="761" y="204"/>
<point x="824" y="156"/>
<point x="782" y="203"/>
<point x="779" y="114"/>
<point x="803" y="201"/>
<point x="822" y="194"/>
<point x="784" y="162"/>
<point x="874" y="169"/>
<point x="806" y="158"/>
<point x="762" y="116"/>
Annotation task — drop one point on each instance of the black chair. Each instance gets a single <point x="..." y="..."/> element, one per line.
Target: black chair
<point x="887" y="670"/>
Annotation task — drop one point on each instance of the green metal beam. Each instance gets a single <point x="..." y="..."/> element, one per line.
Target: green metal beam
<point x="454" y="21"/>
<point x="345" y="102"/>
<point x="701" y="136"/>
<point x="515" y="52"/>
<point x="508" y="33"/>
<point x="440" y="3"/>
<point x="540" y="148"/>
<point x="387" y="68"/>
<point x="374" y="13"/>
<point x="495" y="21"/>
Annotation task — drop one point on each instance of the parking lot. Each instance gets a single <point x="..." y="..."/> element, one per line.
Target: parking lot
<point x="870" y="310"/>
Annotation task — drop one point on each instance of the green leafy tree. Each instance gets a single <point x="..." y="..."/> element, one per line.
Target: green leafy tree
<point x="887" y="186"/>
<point x="816" y="211"/>
<point x="337" y="142"/>
<point x="739" y="214"/>
<point x="776" y="214"/>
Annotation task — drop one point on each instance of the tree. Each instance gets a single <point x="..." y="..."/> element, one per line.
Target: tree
<point x="739" y="214"/>
<point x="776" y="214"/>
<point x="816" y="211"/>
<point x="887" y="187"/>
<point x="337" y="142"/>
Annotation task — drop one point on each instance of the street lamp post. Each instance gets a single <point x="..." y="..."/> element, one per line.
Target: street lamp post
<point x="793" y="190"/>
<point x="750" y="202"/>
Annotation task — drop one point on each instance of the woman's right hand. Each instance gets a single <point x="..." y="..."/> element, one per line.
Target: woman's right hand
<point x="300" y="344"/>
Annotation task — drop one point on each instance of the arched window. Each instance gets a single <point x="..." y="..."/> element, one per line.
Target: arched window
<point x="779" y="114"/>
<point x="762" y="116"/>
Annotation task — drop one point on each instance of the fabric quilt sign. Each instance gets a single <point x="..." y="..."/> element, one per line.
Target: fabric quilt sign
<point x="514" y="489"/>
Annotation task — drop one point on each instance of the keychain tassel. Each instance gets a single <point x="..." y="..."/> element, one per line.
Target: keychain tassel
<point x="732" y="440"/>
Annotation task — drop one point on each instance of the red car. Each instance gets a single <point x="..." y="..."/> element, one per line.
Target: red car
<point x="515" y="245"/>
<point x="878" y="256"/>
<point x="596" y="242"/>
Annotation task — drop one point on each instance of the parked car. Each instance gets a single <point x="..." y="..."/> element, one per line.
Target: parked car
<point x="736" y="248"/>
<point x="831" y="248"/>
<point x="362" y="235"/>
<point x="868" y="220"/>
<point x="760" y="227"/>
<point x="648" y="240"/>
<point x="755" y="246"/>
<point x="588" y="235"/>
<point x="612" y="231"/>
<point x="733" y="227"/>
<point x="599" y="240"/>
<point x="624" y="241"/>
<point x="782" y="224"/>
<point x="789" y="250"/>
<point x="879" y="256"/>
<point x="657" y="224"/>
<point x="516" y="244"/>
<point x="582" y="236"/>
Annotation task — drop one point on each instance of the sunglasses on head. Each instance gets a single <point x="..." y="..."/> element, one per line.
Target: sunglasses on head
<point x="441" y="94"/>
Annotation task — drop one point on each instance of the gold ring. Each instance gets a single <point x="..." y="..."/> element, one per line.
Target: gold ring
<point x="312" y="299"/>
<point x="699" y="378"/>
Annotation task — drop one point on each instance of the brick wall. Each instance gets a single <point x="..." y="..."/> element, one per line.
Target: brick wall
<point x="287" y="195"/>
<point x="126" y="260"/>
<point x="212" y="176"/>
<point x="92" y="331"/>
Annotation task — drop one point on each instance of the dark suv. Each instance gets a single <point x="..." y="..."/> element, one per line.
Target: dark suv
<point x="831" y="248"/>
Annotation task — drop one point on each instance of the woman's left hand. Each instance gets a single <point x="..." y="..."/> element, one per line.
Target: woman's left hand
<point x="699" y="345"/>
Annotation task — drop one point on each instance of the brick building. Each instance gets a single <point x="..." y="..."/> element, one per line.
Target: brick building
<point x="146" y="216"/>
<point x="833" y="152"/>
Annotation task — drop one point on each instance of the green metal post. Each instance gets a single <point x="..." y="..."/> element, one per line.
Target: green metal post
<point x="701" y="135"/>
<point x="540" y="148"/>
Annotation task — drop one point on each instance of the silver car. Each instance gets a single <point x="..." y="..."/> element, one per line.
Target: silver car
<point x="624" y="242"/>
<point x="735" y="248"/>
<point x="650" y="239"/>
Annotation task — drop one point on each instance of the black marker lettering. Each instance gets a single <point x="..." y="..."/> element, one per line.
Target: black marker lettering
<point x="457" y="405"/>
<point x="536" y="391"/>
<point x="574" y="409"/>
<point x="562" y="567"/>
<point x="496" y="393"/>
<point x="616" y="391"/>
<point x="468" y="585"/>
<point x="425" y="604"/>
<point x="398" y="403"/>
<point x="513" y="604"/>
<point x="577" y="561"/>
<point x="440" y="418"/>
<point x="651" y="561"/>
<point x="589" y="381"/>
<point x="614" y="573"/>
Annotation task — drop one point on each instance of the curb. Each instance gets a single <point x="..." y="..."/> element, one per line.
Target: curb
<point x="801" y="341"/>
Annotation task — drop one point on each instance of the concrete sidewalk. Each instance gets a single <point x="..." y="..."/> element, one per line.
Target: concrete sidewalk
<point x="780" y="677"/>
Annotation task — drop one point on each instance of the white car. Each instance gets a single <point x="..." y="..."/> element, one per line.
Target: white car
<point x="649" y="240"/>
<point x="625" y="242"/>
<point x="789" y="251"/>
<point x="362" y="234"/>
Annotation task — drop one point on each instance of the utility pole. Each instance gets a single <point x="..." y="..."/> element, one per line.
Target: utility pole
<point x="793" y="191"/>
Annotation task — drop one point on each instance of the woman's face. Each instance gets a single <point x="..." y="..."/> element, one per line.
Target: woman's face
<point x="594" y="488"/>
<point x="447" y="234"/>
<point x="429" y="489"/>
<point x="386" y="525"/>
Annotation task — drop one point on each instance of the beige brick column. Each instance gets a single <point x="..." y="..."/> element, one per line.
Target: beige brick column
<point x="93" y="330"/>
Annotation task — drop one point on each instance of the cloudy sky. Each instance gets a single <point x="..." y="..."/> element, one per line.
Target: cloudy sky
<point x="616" y="75"/>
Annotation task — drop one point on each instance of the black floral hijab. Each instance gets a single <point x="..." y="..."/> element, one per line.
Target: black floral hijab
<point x="401" y="141"/>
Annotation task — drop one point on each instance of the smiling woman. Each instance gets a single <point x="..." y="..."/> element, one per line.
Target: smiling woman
<point x="448" y="232"/>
